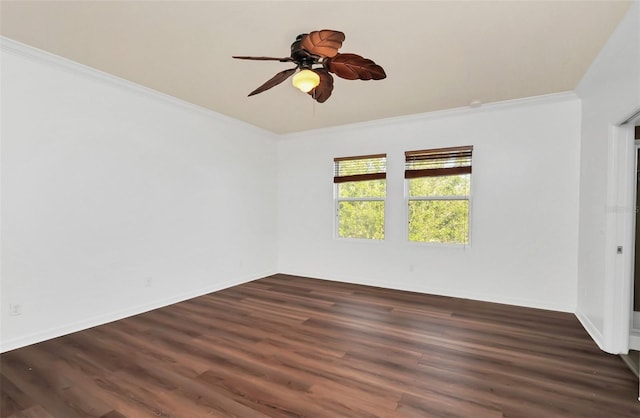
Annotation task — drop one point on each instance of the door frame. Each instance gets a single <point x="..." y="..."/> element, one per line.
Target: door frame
<point x="620" y="233"/>
<point x="635" y="315"/>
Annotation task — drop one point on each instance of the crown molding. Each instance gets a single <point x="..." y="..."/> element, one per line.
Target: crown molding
<point x="8" y="45"/>
<point x="546" y="99"/>
<point x="11" y="46"/>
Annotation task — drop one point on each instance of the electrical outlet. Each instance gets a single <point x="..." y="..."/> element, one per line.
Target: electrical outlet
<point x="15" y="309"/>
<point x="148" y="281"/>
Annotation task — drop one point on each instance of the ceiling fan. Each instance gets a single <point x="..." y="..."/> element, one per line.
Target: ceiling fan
<point x="320" y="49"/>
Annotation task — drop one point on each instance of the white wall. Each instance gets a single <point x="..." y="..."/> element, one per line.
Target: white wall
<point x="610" y="92"/>
<point x="524" y="215"/>
<point x="105" y="184"/>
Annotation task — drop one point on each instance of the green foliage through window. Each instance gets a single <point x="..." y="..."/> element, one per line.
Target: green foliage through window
<point x="361" y="219"/>
<point x="443" y="221"/>
<point x="371" y="188"/>
<point x="438" y="185"/>
<point x="361" y="188"/>
<point x="439" y="189"/>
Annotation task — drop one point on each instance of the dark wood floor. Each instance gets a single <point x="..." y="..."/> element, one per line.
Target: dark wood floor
<point x="287" y="346"/>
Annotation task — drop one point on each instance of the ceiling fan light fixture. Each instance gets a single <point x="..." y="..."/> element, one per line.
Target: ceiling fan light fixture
<point x="306" y="80"/>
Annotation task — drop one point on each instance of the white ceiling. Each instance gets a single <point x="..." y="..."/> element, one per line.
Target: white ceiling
<point x="437" y="54"/>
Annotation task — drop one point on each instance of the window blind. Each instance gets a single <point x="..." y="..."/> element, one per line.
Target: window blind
<point x="360" y="168"/>
<point x="438" y="162"/>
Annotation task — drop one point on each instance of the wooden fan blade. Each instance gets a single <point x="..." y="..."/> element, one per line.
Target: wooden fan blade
<point x="274" y="81"/>
<point x="354" y="67"/>
<point x="285" y="59"/>
<point x="323" y="90"/>
<point x="323" y="43"/>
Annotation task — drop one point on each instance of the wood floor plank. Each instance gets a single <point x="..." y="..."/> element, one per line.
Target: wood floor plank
<point x="40" y="385"/>
<point x="35" y="411"/>
<point x="287" y="346"/>
<point x="113" y="414"/>
<point x="12" y="398"/>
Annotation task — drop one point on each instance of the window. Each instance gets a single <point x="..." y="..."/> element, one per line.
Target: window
<point x="438" y="185"/>
<point x="360" y="191"/>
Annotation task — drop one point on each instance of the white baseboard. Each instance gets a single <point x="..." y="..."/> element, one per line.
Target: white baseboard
<point x="591" y="329"/>
<point x="634" y="335"/>
<point x="526" y="303"/>
<point x="25" y="340"/>
<point x="634" y="341"/>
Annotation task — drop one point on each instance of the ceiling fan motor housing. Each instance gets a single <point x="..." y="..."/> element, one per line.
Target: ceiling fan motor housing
<point x="301" y="57"/>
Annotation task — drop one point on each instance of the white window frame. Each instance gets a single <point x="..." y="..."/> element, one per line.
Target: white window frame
<point x="468" y="197"/>
<point x="337" y="200"/>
